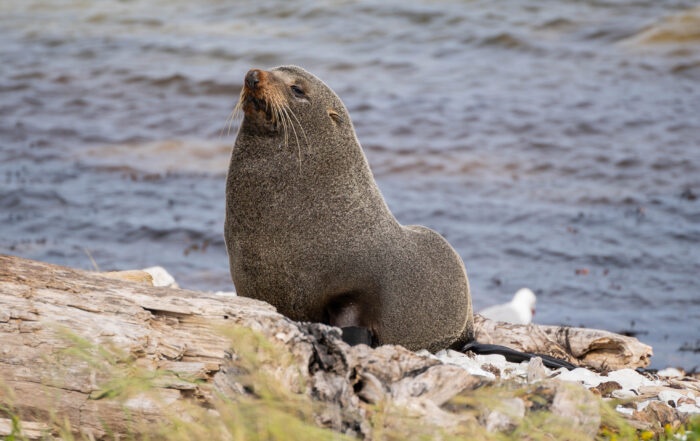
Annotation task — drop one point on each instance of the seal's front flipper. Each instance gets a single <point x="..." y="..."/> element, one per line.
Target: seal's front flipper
<point x="355" y="335"/>
<point x="516" y="356"/>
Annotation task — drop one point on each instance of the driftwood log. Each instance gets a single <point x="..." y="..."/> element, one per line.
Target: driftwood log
<point x="592" y="348"/>
<point x="178" y="330"/>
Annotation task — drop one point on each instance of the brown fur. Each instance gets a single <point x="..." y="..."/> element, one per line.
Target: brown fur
<point x="308" y="231"/>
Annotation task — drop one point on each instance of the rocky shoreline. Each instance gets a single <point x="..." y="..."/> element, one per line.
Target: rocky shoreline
<point x="667" y="397"/>
<point x="355" y="391"/>
<point x="646" y="399"/>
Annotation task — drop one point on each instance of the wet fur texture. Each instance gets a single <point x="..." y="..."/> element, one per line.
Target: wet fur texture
<point x="308" y="231"/>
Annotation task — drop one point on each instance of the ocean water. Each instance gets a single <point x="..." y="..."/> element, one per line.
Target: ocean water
<point x="555" y="144"/>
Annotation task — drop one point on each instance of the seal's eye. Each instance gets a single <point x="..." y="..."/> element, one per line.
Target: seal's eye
<point x="298" y="91"/>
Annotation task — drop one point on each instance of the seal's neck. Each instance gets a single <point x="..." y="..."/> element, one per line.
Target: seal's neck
<point x="306" y="156"/>
<point x="328" y="179"/>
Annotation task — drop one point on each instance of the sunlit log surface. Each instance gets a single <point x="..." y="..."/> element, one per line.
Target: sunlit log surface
<point x="593" y="348"/>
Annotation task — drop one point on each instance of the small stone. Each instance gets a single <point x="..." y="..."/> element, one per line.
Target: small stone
<point x="536" y="370"/>
<point x="670" y="396"/>
<point x="658" y="413"/>
<point x="629" y="379"/>
<point x="623" y="394"/>
<point x="624" y="410"/>
<point x="581" y="375"/>
<point x="578" y="405"/>
<point x="471" y="365"/>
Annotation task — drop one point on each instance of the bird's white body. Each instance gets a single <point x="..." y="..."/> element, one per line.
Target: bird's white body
<point x="518" y="311"/>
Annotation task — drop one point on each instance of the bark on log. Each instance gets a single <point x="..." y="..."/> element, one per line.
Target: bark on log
<point x="179" y="330"/>
<point x="593" y="348"/>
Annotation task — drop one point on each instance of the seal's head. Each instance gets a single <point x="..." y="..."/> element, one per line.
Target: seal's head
<point x="287" y="100"/>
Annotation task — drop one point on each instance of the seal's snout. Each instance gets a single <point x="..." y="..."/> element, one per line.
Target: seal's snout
<point x="257" y="96"/>
<point x="252" y="78"/>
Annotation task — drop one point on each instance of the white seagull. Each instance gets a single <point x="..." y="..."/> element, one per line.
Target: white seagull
<point x="518" y="311"/>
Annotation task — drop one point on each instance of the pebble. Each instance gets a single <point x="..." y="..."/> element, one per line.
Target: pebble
<point x="471" y="365"/>
<point x="582" y="375"/>
<point x="625" y="410"/>
<point x="669" y="395"/>
<point x="536" y="370"/>
<point x="528" y="372"/>
<point x="623" y="394"/>
<point x="631" y="379"/>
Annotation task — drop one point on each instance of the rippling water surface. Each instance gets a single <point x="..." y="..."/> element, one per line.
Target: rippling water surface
<point x="555" y="144"/>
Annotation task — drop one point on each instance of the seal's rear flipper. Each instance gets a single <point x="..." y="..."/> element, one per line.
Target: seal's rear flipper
<point x="515" y="356"/>
<point x="355" y="335"/>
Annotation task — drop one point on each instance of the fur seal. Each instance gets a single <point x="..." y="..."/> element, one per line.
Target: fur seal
<point x="308" y="230"/>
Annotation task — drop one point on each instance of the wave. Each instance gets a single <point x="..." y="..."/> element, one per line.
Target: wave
<point x="504" y="40"/>
<point x="683" y="27"/>
<point x="186" y="85"/>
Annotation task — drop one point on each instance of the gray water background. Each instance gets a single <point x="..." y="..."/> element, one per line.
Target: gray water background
<point x="553" y="144"/>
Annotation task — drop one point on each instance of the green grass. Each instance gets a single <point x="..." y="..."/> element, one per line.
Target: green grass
<point x="269" y="411"/>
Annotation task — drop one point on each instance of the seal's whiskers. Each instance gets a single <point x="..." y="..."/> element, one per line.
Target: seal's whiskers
<point x="228" y="122"/>
<point x="303" y="132"/>
<point x="278" y="117"/>
<point x="285" y="108"/>
<point x="282" y="120"/>
<point x="234" y="113"/>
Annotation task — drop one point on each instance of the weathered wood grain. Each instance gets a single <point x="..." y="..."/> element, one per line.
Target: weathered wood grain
<point x="592" y="348"/>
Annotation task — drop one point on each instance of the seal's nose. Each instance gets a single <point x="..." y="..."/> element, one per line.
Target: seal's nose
<point x="252" y="78"/>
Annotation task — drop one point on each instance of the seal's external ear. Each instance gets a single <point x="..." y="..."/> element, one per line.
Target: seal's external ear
<point x="335" y="117"/>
